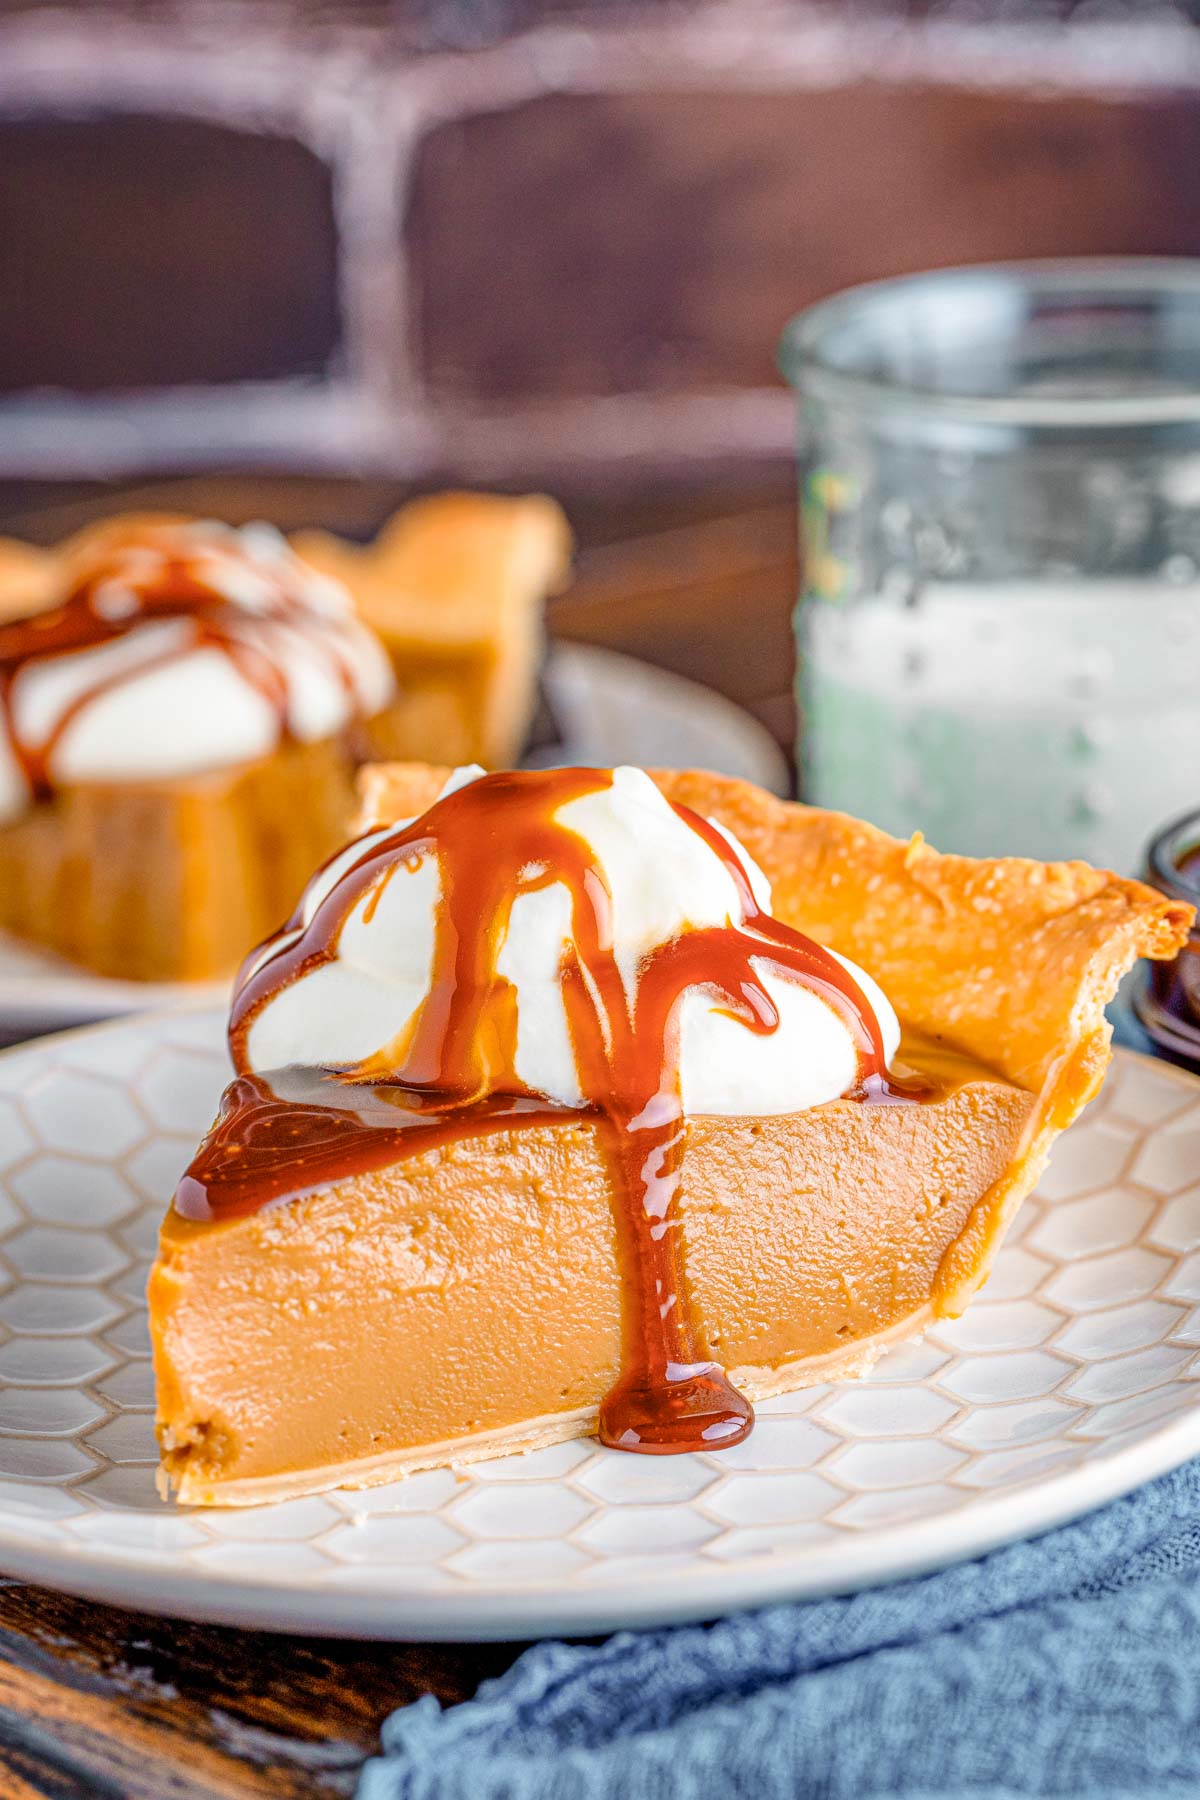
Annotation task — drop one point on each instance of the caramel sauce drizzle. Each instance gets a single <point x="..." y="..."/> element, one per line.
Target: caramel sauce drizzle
<point x="157" y="581"/>
<point x="269" y="1145"/>
<point x="455" y="1073"/>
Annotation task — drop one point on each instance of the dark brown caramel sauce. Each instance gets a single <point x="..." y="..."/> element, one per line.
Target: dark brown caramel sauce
<point x="454" y="1073"/>
<point x="300" y="1130"/>
<point x="152" y="583"/>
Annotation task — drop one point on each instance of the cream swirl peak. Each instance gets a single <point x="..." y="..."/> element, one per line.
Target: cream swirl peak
<point x="581" y="881"/>
<point x="177" y="650"/>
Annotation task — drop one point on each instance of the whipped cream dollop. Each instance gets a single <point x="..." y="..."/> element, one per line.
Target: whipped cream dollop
<point x="196" y="647"/>
<point x="360" y="1005"/>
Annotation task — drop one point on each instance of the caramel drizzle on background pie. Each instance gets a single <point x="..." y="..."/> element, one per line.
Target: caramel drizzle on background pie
<point x="494" y="839"/>
<point x="139" y="584"/>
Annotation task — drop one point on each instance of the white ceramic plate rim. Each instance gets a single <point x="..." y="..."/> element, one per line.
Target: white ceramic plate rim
<point x="537" y="1609"/>
<point x="56" y="992"/>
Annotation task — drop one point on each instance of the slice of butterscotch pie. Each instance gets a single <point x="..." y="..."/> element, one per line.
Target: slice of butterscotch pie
<point x="590" y="1101"/>
<point x="183" y="707"/>
<point x="179" y="732"/>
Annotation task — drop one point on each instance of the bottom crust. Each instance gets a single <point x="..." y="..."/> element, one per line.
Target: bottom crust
<point x="519" y="1440"/>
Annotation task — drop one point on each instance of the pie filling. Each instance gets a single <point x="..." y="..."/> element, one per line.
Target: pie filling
<point x="470" y="1299"/>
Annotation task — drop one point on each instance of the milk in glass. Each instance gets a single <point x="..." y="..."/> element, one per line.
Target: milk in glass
<point x="1040" y="718"/>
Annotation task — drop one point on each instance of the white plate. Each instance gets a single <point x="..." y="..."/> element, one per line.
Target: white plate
<point x="610" y="708"/>
<point x="40" y="992"/>
<point x="1072" y="1379"/>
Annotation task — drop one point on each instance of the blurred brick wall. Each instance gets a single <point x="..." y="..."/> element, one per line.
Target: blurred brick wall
<point x="586" y="244"/>
<point x="145" y="251"/>
<point x="518" y="240"/>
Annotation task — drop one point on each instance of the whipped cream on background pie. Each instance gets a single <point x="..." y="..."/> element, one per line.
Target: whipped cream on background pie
<point x="490" y="1212"/>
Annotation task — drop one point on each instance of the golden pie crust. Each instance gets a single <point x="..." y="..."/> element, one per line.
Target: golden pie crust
<point x="454" y="585"/>
<point x="466" y="1302"/>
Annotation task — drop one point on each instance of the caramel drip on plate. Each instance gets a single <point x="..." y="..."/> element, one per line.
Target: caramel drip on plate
<point x="496" y="838"/>
<point x="139" y="585"/>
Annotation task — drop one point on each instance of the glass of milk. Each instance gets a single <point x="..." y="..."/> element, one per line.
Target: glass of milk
<point x="999" y="633"/>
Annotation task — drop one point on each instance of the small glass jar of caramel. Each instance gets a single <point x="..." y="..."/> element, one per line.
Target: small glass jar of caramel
<point x="1166" y="996"/>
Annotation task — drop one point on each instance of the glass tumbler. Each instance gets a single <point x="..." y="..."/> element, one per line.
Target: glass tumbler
<point x="999" y="633"/>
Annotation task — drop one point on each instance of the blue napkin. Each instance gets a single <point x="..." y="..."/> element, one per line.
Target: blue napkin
<point x="1068" y="1665"/>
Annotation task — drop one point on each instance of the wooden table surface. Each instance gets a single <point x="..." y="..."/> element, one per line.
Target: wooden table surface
<point x="99" y="1702"/>
<point x="95" y="1701"/>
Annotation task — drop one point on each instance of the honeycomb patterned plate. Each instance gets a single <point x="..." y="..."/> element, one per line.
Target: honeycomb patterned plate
<point x="1073" y="1377"/>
